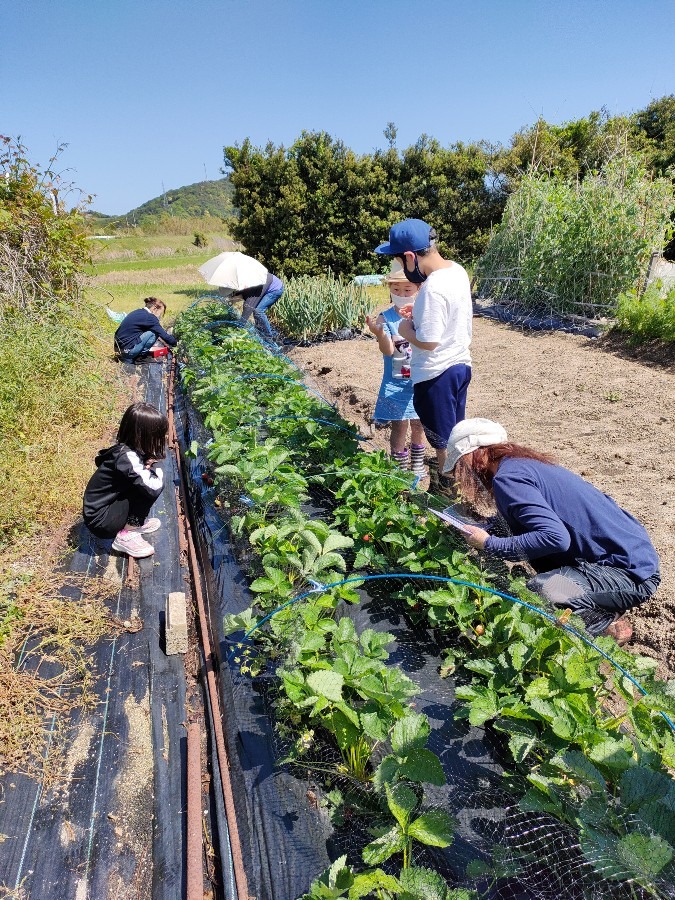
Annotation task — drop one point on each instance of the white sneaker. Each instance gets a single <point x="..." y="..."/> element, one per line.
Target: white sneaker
<point x="146" y="528"/>
<point x="131" y="543"/>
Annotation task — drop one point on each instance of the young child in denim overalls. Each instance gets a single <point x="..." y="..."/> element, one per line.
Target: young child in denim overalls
<point x="395" y="399"/>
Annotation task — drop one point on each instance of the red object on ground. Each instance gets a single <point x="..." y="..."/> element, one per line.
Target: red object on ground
<point x="159" y="351"/>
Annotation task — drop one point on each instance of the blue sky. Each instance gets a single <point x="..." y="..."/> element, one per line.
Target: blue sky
<point x="147" y="92"/>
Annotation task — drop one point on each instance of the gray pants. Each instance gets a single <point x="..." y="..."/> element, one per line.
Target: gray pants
<point x="597" y="594"/>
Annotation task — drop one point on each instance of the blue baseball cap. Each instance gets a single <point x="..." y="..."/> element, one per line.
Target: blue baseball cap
<point x="408" y="235"/>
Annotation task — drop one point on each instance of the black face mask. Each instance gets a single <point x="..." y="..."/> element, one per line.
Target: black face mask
<point x="415" y="277"/>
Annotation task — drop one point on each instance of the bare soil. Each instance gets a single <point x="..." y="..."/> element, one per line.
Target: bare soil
<point x="606" y="411"/>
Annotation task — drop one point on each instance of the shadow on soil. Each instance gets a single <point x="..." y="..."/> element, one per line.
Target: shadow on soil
<point x="659" y="354"/>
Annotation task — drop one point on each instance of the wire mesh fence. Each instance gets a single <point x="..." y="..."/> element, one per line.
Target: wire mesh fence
<point x="567" y="248"/>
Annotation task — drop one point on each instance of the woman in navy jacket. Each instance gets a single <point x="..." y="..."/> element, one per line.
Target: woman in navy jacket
<point x="591" y="555"/>
<point x="140" y="330"/>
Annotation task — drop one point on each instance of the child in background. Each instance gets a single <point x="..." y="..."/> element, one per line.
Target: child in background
<point x="127" y="482"/>
<point x="440" y="333"/>
<point x="395" y="400"/>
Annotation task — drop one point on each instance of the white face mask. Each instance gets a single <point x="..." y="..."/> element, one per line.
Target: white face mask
<point x="400" y="302"/>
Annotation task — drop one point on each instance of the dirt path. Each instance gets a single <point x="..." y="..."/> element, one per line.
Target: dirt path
<point x="605" y="415"/>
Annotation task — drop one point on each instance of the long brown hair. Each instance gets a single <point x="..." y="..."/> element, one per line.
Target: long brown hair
<point x="144" y="428"/>
<point x="473" y="473"/>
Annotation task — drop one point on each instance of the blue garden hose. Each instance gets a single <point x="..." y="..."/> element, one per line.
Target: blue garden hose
<point x="285" y="378"/>
<point x="322" y="588"/>
<point x="305" y="418"/>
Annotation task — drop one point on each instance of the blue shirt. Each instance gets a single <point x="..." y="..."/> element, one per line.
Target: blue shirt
<point x="557" y="517"/>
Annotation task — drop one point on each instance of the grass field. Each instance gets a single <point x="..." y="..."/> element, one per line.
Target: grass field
<point x="127" y="269"/>
<point x="146" y="245"/>
<point x="173" y="261"/>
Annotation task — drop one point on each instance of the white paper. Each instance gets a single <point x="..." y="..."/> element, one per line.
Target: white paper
<point x="448" y="516"/>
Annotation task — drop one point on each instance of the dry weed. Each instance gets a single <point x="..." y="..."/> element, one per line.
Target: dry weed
<point x="180" y="275"/>
<point x="13" y="893"/>
<point x="45" y="671"/>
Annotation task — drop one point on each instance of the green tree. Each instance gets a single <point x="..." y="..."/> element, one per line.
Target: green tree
<point x="657" y="123"/>
<point x="571" y="150"/>
<point x="451" y="188"/>
<point x="317" y="205"/>
<point x="314" y="206"/>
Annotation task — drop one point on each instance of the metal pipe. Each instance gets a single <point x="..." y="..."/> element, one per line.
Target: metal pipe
<point x="195" y="866"/>
<point x="209" y="666"/>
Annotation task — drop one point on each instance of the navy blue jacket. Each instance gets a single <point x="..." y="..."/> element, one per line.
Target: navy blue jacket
<point x="557" y="517"/>
<point x="135" y="323"/>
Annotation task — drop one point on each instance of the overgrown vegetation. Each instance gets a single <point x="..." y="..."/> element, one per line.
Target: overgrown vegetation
<point x="573" y="247"/>
<point x="50" y="394"/>
<point x="42" y="247"/>
<point x="53" y="399"/>
<point x="647" y="316"/>
<point x="57" y="394"/>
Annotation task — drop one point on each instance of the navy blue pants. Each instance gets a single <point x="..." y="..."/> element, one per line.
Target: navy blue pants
<point x="597" y="594"/>
<point x="440" y="403"/>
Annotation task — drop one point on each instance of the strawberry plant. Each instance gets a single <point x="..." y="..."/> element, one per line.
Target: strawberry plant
<point x="414" y="882"/>
<point x="350" y="690"/>
<point x="433" y="828"/>
<point x="527" y="678"/>
<point x="295" y="552"/>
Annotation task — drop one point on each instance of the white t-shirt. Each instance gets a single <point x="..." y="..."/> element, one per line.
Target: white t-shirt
<point x="442" y="314"/>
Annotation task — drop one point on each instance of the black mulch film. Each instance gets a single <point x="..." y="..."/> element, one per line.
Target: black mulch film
<point x="287" y="837"/>
<point x="536" y="320"/>
<point x="114" y="827"/>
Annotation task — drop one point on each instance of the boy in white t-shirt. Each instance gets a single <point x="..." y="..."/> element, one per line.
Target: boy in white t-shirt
<point x="439" y="332"/>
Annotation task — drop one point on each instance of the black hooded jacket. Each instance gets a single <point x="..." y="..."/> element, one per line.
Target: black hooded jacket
<point x="120" y="473"/>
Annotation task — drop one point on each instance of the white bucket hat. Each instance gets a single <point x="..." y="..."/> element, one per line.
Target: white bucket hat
<point x="395" y="273"/>
<point x="470" y="434"/>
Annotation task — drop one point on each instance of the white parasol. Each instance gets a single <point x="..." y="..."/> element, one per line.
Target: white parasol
<point x="233" y="270"/>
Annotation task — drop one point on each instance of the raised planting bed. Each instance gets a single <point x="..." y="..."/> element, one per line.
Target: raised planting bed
<point x="395" y="705"/>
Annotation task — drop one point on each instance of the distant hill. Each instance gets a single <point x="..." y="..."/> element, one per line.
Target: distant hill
<point x="205" y="198"/>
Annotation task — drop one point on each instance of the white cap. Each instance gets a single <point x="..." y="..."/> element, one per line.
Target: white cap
<point x="470" y="434"/>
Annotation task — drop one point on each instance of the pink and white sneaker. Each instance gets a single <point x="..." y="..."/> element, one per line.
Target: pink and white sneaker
<point x="131" y="543"/>
<point x="147" y="527"/>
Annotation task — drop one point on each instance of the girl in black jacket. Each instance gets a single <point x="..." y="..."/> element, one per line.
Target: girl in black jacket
<point x="127" y="482"/>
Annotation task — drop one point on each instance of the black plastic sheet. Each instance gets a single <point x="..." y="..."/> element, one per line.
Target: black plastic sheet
<point x="115" y="825"/>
